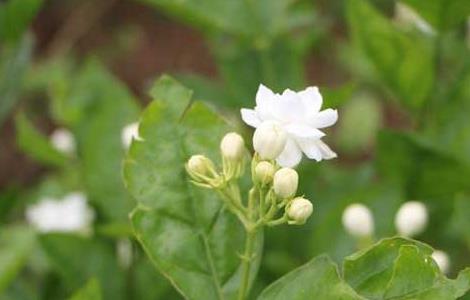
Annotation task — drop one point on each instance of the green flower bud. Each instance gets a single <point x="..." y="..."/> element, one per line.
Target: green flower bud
<point x="199" y="165"/>
<point x="285" y="184"/>
<point x="264" y="172"/>
<point x="299" y="210"/>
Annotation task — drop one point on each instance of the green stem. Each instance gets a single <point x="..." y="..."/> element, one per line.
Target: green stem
<point x="246" y="264"/>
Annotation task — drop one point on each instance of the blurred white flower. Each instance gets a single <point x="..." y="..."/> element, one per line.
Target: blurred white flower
<point x="411" y="218"/>
<point x="128" y="133"/>
<point x="299" y="115"/>
<point x="406" y="15"/>
<point x="63" y="140"/>
<point x="70" y="214"/>
<point x="358" y="220"/>
<point x="442" y="260"/>
<point x="124" y="253"/>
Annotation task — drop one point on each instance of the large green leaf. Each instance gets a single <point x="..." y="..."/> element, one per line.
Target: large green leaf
<point x="36" y="145"/>
<point x="77" y="259"/>
<point x="404" y="63"/>
<point x="16" y="60"/>
<point x="15" y="16"/>
<point x="317" y="279"/>
<point x="16" y="244"/>
<point x="398" y="268"/>
<point x="191" y="238"/>
<point x="91" y="291"/>
<point x="442" y="14"/>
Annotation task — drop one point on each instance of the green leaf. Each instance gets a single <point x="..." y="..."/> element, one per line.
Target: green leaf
<point x="16" y="244"/>
<point x="36" y="145"/>
<point x="77" y="259"/>
<point x="91" y="291"/>
<point x="398" y="268"/>
<point x="190" y="237"/>
<point x="15" y="16"/>
<point x="442" y="14"/>
<point x="369" y="272"/>
<point x="404" y="63"/>
<point x="96" y="106"/>
<point x="12" y="72"/>
<point x="317" y="279"/>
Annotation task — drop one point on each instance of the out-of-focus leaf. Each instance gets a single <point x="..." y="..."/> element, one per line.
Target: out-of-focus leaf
<point x="11" y="74"/>
<point x="96" y="106"/>
<point x="36" y="145"/>
<point x="404" y="63"/>
<point x="442" y="14"/>
<point x="205" y="89"/>
<point x="77" y="259"/>
<point x="15" y="16"/>
<point x="91" y="291"/>
<point x="201" y="239"/>
<point x="318" y="279"/>
<point x="16" y="243"/>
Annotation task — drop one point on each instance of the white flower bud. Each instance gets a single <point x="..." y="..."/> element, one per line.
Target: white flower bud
<point x="269" y="140"/>
<point x="63" y="140"/>
<point x="442" y="260"/>
<point x="285" y="183"/>
<point x="358" y="220"/>
<point x="200" y="165"/>
<point x="299" y="210"/>
<point x="128" y="133"/>
<point x="232" y="146"/>
<point x="411" y="219"/>
<point x="264" y="172"/>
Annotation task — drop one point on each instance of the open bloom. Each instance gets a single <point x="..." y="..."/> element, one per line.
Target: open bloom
<point x="299" y="115"/>
<point x="71" y="214"/>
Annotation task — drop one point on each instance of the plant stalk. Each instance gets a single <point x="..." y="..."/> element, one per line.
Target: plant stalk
<point x="246" y="264"/>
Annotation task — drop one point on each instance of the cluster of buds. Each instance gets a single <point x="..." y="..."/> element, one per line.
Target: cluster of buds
<point x="272" y="199"/>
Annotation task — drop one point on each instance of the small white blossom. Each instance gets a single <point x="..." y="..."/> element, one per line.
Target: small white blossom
<point x="71" y="214"/>
<point x="406" y="15"/>
<point x="442" y="260"/>
<point x="63" y="140"/>
<point x="298" y="115"/>
<point x="232" y="146"/>
<point x="269" y="140"/>
<point x="411" y="219"/>
<point x="128" y="133"/>
<point x="124" y="253"/>
<point x="299" y="210"/>
<point x="358" y="220"/>
<point x="285" y="183"/>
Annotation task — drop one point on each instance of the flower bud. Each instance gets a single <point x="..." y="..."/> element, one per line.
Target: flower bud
<point x="358" y="221"/>
<point x="285" y="184"/>
<point x="63" y="140"/>
<point x="199" y="165"/>
<point x="232" y="146"/>
<point x="264" y="172"/>
<point x="299" y="210"/>
<point x="269" y="140"/>
<point x="411" y="219"/>
<point x="442" y="260"/>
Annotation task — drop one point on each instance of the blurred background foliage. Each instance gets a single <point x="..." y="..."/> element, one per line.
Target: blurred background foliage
<point x="401" y="84"/>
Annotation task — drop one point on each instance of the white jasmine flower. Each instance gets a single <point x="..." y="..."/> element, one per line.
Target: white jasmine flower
<point x="298" y="115"/>
<point x="71" y="214"/>
<point x="299" y="210"/>
<point x="358" y="220"/>
<point x="406" y="15"/>
<point x="285" y="183"/>
<point x="128" y="133"/>
<point x="63" y="140"/>
<point x="442" y="260"/>
<point x="411" y="219"/>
